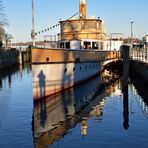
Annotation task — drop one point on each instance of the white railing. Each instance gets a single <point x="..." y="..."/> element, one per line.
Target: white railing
<point x="139" y="54"/>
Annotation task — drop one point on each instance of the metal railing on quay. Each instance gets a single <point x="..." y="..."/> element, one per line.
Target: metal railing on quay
<point x="140" y="54"/>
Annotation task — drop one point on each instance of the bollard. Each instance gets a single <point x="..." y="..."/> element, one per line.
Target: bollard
<point x="20" y="56"/>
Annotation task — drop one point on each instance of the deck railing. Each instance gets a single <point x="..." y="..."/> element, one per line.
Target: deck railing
<point x="81" y="35"/>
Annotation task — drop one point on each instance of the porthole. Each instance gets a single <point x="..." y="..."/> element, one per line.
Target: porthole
<point x="47" y="59"/>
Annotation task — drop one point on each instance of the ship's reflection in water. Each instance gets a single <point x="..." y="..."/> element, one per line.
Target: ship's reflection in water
<point x="53" y="117"/>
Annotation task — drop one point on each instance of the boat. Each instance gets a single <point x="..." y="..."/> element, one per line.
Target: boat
<point x="79" y="55"/>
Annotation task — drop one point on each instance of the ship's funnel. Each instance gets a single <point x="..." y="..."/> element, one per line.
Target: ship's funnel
<point x="82" y="9"/>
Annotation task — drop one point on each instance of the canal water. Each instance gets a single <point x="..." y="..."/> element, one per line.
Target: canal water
<point x="97" y="113"/>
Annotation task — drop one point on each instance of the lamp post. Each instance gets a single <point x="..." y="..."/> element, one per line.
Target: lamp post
<point x="132" y="32"/>
<point x="33" y="25"/>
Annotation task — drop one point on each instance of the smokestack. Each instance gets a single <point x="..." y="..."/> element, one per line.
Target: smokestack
<point x="82" y="9"/>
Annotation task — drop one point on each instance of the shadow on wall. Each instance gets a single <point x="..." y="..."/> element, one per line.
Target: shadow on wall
<point x="42" y="81"/>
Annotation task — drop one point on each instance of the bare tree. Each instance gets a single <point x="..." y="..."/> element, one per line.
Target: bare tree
<point x="2" y="33"/>
<point x="2" y="36"/>
<point x="7" y="39"/>
<point x="3" y="22"/>
<point x="3" y="19"/>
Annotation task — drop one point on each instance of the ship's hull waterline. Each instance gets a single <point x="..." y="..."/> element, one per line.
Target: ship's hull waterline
<point x="57" y="69"/>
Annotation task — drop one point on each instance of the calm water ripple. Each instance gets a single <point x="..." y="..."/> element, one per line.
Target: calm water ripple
<point x="94" y="114"/>
<point x="16" y="109"/>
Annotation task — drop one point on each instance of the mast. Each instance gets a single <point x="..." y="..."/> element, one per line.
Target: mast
<point x="33" y="25"/>
<point x="82" y="9"/>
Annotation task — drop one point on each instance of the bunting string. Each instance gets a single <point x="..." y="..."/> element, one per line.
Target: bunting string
<point x="47" y="29"/>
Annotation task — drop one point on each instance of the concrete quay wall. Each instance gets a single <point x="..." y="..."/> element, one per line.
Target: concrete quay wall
<point x="8" y="58"/>
<point x="14" y="57"/>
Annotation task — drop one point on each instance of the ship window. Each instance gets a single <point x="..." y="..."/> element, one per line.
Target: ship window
<point x="94" y="45"/>
<point x="99" y="26"/>
<point x="87" y="45"/>
<point x="85" y="25"/>
<point x="62" y="45"/>
<point x="93" y="25"/>
<point x="66" y="26"/>
<point x="73" y="26"/>
<point x="68" y="45"/>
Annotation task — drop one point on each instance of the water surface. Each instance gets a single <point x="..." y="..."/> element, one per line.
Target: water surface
<point x="16" y="107"/>
<point x="97" y="113"/>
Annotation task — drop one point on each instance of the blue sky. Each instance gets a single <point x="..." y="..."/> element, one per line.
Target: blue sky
<point x="117" y="15"/>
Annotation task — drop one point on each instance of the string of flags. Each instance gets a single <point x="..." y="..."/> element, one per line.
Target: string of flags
<point x="47" y="29"/>
<point x="52" y="27"/>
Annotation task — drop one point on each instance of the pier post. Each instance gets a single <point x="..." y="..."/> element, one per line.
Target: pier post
<point x="20" y="56"/>
<point x="27" y="55"/>
<point x="125" y="56"/>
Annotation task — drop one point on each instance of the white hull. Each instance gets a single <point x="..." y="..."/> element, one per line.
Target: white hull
<point x="49" y="79"/>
